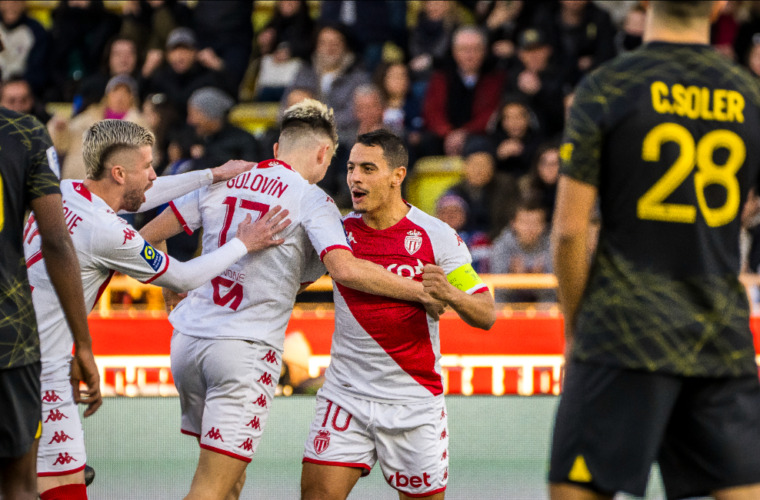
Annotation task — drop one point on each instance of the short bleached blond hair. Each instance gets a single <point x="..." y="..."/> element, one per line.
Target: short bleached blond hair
<point x="307" y="119"/>
<point x="106" y="138"/>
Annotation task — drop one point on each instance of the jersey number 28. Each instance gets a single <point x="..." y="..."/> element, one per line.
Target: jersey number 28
<point x="652" y="206"/>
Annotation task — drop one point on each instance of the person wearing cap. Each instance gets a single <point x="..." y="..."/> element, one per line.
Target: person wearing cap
<point x="537" y="81"/>
<point x="217" y="139"/>
<point x="182" y="73"/>
<point x="119" y="102"/>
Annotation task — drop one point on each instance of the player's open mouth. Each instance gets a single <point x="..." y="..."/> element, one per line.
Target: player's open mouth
<point x="357" y="195"/>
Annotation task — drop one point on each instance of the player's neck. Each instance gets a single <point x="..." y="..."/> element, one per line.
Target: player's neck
<point x="102" y="190"/>
<point x="386" y="216"/>
<point x="657" y="30"/>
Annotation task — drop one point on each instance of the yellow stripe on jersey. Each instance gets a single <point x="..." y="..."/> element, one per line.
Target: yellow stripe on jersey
<point x="465" y="278"/>
<point x="39" y="430"/>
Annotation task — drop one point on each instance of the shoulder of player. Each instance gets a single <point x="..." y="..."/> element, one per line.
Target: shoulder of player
<point x="26" y="126"/>
<point x="428" y="222"/>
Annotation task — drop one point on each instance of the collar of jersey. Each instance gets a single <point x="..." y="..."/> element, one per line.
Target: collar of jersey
<point x="273" y="163"/>
<point x="88" y="195"/>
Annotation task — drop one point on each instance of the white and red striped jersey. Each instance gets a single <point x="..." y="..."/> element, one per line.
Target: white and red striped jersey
<point x="253" y="298"/>
<point x="386" y="349"/>
<point x="104" y="243"/>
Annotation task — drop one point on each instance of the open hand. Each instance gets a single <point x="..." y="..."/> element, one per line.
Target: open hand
<point x="231" y="169"/>
<point x="262" y="233"/>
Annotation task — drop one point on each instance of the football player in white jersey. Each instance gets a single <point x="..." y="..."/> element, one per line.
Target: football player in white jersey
<point x="119" y="172"/>
<point x="382" y="400"/>
<point x="229" y="333"/>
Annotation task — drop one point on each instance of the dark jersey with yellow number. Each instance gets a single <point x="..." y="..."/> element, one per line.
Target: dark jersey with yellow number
<point x="670" y="136"/>
<point x="24" y="175"/>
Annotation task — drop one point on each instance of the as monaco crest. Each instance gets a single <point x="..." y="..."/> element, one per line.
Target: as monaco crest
<point x="322" y="441"/>
<point x="413" y="241"/>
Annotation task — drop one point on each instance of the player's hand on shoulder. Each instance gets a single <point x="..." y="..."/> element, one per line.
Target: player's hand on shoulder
<point x="231" y="169"/>
<point x="264" y="232"/>
<point x="84" y="370"/>
<point x="172" y="298"/>
<point x="435" y="283"/>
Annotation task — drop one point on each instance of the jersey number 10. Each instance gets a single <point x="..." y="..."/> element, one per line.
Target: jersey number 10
<point x="652" y="206"/>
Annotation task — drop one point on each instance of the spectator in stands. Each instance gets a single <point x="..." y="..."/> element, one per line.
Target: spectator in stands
<point x="26" y="46"/>
<point x="537" y="80"/>
<point x="503" y="20"/>
<point x="333" y="75"/>
<point x="516" y="137"/>
<point x="403" y="109"/>
<point x="632" y="33"/>
<point x="277" y="71"/>
<point x="225" y="36"/>
<point x="121" y="59"/>
<point x="16" y="94"/>
<point x="291" y="24"/>
<point x="149" y="23"/>
<point x="584" y="36"/>
<point x="119" y="103"/>
<point x="540" y="184"/>
<point x="753" y="58"/>
<point x="453" y="210"/>
<point x="430" y="40"/>
<point x="163" y="121"/>
<point x="460" y="100"/>
<point x="219" y="140"/>
<point x="371" y="25"/>
<point x="81" y="29"/>
<point x="369" y="108"/>
<point x="748" y="33"/>
<point x="491" y="196"/>
<point x="182" y="74"/>
<point x="724" y="30"/>
<point x="522" y="248"/>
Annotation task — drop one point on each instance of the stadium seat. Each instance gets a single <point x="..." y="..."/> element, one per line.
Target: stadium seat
<point x="430" y="178"/>
<point x="255" y="117"/>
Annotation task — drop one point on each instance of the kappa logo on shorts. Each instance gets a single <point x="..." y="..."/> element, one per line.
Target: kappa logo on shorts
<point x="270" y="357"/>
<point x="254" y="423"/>
<point x="446" y="473"/>
<point x="266" y="379"/>
<point x="445" y="455"/>
<point x="151" y="256"/>
<point x="413" y="241"/>
<point x="214" y="434"/>
<point x="60" y="437"/>
<point x="443" y="414"/>
<point x="444" y="434"/>
<point x="64" y="459"/>
<point x="262" y="401"/>
<point x="51" y="397"/>
<point x="55" y="416"/>
<point x="321" y="441"/>
<point x="247" y="445"/>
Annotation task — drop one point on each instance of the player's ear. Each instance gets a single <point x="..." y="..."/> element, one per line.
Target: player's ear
<point x="276" y="149"/>
<point x="399" y="174"/>
<point x="118" y="174"/>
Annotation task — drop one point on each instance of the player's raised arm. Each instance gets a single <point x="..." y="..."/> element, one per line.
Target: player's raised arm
<point x="63" y="268"/>
<point x="463" y="290"/>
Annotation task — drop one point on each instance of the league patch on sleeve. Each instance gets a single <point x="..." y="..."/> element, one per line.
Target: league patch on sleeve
<point x="52" y="158"/>
<point x="153" y="257"/>
<point x="466" y="279"/>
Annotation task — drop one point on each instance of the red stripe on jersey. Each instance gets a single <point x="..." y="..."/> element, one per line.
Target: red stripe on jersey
<point x="81" y="189"/>
<point x="103" y="287"/>
<point x="334" y="247"/>
<point x="399" y="327"/>
<point x="155" y="276"/>
<point x="482" y="289"/>
<point x="180" y="218"/>
<point x="36" y="257"/>
<point x="273" y="163"/>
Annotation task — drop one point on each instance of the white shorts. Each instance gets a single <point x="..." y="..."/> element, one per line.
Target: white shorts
<point x="409" y="440"/>
<point x="61" y="449"/>
<point x="225" y="389"/>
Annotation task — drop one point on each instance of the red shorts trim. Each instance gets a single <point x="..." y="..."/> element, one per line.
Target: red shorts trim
<point x="421" y="495"/>
<point x="336" y="464"/>
<point x="62" y="473"/>
<point x="183" y="431"/>
<point x="180" y="218"/>
<point x="225" y="452"/>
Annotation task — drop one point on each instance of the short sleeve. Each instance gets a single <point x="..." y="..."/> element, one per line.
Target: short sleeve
<point x="580" y="152"/>
<point x="188" y="210"/>
<point x="41" y="180"/>
<point x="121" y="248"/>
<point x="452" y="255"/>
<point x="322" y="222"/>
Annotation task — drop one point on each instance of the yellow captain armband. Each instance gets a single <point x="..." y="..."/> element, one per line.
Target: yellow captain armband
<point x="466" y="279"/>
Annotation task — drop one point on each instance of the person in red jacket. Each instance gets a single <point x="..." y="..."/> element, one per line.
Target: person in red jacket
<point x="460" y="101"/>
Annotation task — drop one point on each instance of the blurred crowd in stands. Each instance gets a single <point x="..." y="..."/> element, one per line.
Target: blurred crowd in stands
<point x="485" y="80"/>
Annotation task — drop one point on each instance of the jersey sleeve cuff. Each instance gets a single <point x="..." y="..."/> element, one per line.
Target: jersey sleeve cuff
<point x="180" y="218"/>
<point x="158" y="274"/>
<point x="334" y="247"/>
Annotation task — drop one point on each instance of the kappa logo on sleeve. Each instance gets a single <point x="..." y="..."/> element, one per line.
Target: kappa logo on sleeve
<point x="153" y="257"/>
